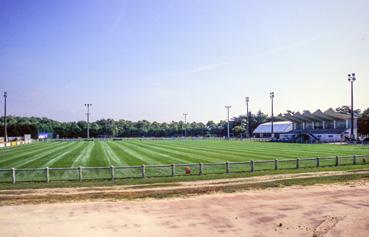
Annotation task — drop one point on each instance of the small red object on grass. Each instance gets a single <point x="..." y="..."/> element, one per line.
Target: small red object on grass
<point x="188" y="170"/>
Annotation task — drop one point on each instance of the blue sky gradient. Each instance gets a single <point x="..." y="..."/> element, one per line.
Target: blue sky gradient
<point x="155" y="60"/>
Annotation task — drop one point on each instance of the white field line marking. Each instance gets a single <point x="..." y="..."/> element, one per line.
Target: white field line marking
<point x="111" y="155"/>
<point x="41" y="155"/>
<point x="148" y="150"/>
<point x="84" y="155"/>
<point x="59" y="157"/>
<point x="136" y="155"/>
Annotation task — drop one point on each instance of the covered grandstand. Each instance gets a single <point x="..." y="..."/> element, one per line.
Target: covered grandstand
<point x="264" y="130"/>
<point x="327" y="126"/>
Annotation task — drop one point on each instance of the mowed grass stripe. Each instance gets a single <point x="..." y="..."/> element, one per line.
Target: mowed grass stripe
<point x="231" y="154"/>
<point x="186" y="155"/>
<point x="96" y="157"/>
<point x="254" y="150"/>
<point x="18" y="155"/>
<point x="160" y="154"/>
<point x="213" y="153"/>
<point x="83" y="155"/>
<point x="181" y="157"/>
<point x="247" y="150"/>
<point x="53" y="153"/>
<point x="37" y="160"/>
<point x="113" y="158"/>
<point x="197" y="155"/>
<point x="125" y="157"/>
<point x="136" y="153"/>
<point x="23" y="147"/>
<point x="65" y="159"/>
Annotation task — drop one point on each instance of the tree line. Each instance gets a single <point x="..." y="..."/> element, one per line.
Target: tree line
<point x="18" y="126"/>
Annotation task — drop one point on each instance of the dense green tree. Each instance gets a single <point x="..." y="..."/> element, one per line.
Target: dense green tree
<point x="363" y="123"/>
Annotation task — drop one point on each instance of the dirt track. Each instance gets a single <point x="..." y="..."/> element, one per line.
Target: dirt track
<point x="48" y="195"/>
<point x="322" y="210"/>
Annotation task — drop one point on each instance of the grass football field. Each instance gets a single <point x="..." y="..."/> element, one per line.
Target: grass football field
<point x="138" y="152"/>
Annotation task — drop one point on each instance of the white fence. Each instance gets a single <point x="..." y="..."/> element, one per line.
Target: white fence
<point x="47" y="174"/>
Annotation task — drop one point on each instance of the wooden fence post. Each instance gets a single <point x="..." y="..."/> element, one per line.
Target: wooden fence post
<point x="173" y="169"/>
<point x="276" y="164"/>
<point x="297" y="163"/>
<point x="47" y="174"/>
<point x="201" y="169"/>
<point x="252" y="166"/>
<point x="354" y="159"/>
<point x="112" y="172"/>
<point x="317" y="162"/>
<point x="227" y="167"/>
<point x="13" y="176"/>
<point x="143" y="172"/>
<point x="80" y="174"/>
<point x="337" y="161"/>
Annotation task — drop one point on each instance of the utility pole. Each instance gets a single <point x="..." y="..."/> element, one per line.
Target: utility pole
<point x="352" y="79"/>
<point x="227" y="107"/>
<point x="185" y="124"/>
<point x="247" y="117"/>
<point x="272" y="118"/>
<point x="5" y="122"/>
<point x="88" y="119"/>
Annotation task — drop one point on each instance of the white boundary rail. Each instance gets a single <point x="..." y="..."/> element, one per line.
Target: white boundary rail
<point x="13" y="175"/>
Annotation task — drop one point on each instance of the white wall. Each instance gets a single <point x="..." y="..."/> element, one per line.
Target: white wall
<point x="329" y="137"/>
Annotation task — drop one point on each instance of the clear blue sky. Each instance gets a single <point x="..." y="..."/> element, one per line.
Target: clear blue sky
<point x="155" y="60"/>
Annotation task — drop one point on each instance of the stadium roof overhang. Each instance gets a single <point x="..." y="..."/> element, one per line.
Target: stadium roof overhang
<point x="307" y="116"/>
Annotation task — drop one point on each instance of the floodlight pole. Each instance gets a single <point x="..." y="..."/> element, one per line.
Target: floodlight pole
<point x="228" y="107"/>
<point x="247" y="117"/>
<point x="272" y="118"/>
<point x="185" y="124"/>
<point x="88" y="119"/>
<point x="5" y="122"/>
<point x="352" y="79"/>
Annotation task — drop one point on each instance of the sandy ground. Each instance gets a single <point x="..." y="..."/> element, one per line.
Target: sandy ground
<point x="322" y="210"/>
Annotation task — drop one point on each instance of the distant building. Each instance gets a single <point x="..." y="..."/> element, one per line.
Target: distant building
<point x="328" y="126"/>
<point x="45" y="135"/>
<point x="264" y="130"/>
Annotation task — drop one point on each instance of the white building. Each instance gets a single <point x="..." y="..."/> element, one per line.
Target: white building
<point x="279" y="128"/>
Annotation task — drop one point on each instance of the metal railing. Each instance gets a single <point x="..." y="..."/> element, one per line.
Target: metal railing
<point x="47" y="174"/>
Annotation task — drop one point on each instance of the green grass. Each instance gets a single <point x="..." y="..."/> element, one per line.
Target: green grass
<point x="136" y="152"/>
<point x="149" y="152"/>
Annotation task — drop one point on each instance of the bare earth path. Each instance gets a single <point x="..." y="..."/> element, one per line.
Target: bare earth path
<point x="26" y="196"/>
<point x="321" y="210"/>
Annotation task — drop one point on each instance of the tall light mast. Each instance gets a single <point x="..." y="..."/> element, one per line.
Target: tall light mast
<point x="88" y="119"/>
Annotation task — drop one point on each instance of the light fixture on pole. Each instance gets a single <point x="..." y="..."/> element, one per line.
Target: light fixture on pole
<point x="272" y="118"/>
<point x="247" y="117"/>
<point x="352" y="79"/>
<point x="228" y="107"/>
<point x="5" y="122"/>
<point x="185" y="124"/>
<point x="88" y="119"/>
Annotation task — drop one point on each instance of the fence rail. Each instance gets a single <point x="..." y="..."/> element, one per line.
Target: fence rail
<point x="13" y="175"/>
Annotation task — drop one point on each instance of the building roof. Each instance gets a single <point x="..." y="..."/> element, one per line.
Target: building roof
<point x="278" y="127"/>
<point x="318" y="115"/>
